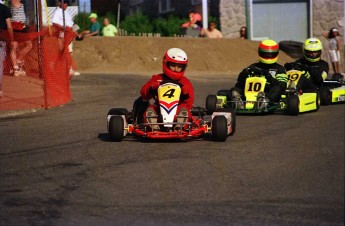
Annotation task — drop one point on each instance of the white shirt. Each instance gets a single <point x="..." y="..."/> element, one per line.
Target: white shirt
<point x="58" y="18"/>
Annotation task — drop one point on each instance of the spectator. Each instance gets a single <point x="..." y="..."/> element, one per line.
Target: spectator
<point x="243" y="33"/>
<point x="211" y="31"/>
<point x="334" y="48"/>
<point x="63" y="22"/>
<point x="94" y="30"/>
<point x="19" y="25"/>
<point x="109" y="30"/>
<point x="193" y="26"/>
<point x="6" y="32"/>
<point x="194" y="20"/>
<point x="266" y="67"/>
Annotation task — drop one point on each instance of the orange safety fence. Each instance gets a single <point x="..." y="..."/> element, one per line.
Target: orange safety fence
<point x="45" y="81"/>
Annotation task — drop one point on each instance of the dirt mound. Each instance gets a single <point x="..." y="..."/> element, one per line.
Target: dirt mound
<point x="144" y="54"/>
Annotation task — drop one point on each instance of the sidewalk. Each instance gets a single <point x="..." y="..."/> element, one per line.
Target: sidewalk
<point x="21" y="93"/>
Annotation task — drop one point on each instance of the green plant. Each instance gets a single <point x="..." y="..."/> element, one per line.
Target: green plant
<point x="137" y="23"/>
<point x="83" y="21"/>
<point x="168" y="26"/>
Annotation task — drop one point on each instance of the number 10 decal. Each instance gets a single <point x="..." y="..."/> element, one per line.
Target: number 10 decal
<point x="254" y="86"/>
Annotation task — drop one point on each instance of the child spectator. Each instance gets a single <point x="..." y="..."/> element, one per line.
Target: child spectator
<point x="334" y="48"/>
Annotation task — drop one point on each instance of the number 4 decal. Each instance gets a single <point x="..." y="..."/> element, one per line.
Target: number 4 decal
<point x="169" y="93"/>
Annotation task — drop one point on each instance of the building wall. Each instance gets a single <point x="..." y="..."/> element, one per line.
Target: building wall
<point x="328" y="14"/>
<point x="232" y="17"/>
<point x="325" y="15"/>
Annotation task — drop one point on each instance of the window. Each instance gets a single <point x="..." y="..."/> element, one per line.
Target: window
<point x="196" y="2"/>
<point x="166" y="6"/>
<point x="135" y="2"/>
<point x="135" y="6"/>
<point x="268" y="16"/>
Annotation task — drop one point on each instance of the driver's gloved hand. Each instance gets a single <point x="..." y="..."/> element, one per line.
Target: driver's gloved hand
<point x="269" y="78"/>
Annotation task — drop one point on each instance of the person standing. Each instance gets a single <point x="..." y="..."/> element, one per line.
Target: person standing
<point x="94" y="30"/>
<point x="6" y="35"/>
<point x="243" y="33"/>
<point x="193" y="26"/>
<point x="109" y="30"/>
<point x="18" y="21"/>
<point x="334" y="48"/>
<point x="63" y="22"/>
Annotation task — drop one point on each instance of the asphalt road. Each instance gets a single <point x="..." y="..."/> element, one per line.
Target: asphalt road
<point x="58" y="167"/>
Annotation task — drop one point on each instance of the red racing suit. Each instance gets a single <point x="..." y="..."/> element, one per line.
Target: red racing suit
<point x="149" y="90"/>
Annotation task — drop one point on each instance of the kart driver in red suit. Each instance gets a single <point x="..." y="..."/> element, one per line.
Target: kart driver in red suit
<point x="175" y="63"/>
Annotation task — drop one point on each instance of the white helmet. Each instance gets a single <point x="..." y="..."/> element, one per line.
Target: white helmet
<point x="177" y="56"/>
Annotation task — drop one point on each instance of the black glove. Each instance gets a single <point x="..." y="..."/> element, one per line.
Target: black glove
<point x="296" y="66"/>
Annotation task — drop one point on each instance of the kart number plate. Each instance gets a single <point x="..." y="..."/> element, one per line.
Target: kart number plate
<point x="341" y="98"/>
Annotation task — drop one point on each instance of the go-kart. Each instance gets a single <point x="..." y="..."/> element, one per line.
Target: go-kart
<point x="333" y="90"/>
<point x="220" y="124"/>
<point x="292" y="101"/>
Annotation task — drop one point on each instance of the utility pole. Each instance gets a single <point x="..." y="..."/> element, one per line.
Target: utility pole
<point x="118" y="15"/>
<point x="204" y="14"/>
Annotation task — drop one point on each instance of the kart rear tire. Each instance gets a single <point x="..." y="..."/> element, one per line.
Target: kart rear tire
<point x="211" y="104"/>
<point x="292" y="107"/>
<point x="292" y="48"/>
<point x="325" y="95"/>
<point x="219" y="128"/>
<point x="116" y="127"/>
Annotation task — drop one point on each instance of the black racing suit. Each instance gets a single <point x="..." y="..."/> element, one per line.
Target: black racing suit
<point x="275" y="75"/>
<point x="314" y="73"/>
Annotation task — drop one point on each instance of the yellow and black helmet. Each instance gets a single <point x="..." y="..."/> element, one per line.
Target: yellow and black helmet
<point x="268" y="51"/>
<point x="312" y="49"/>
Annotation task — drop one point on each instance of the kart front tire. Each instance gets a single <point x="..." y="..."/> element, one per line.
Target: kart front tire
<point x="211" y="104"/>
<point x="116" y="127"/>
<point x="233" y="118"/>
<point x="325" y="96"/>
<point x="219" y="128"/>
<point x="292" y="107"/>
<point x="118" y="111"/>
